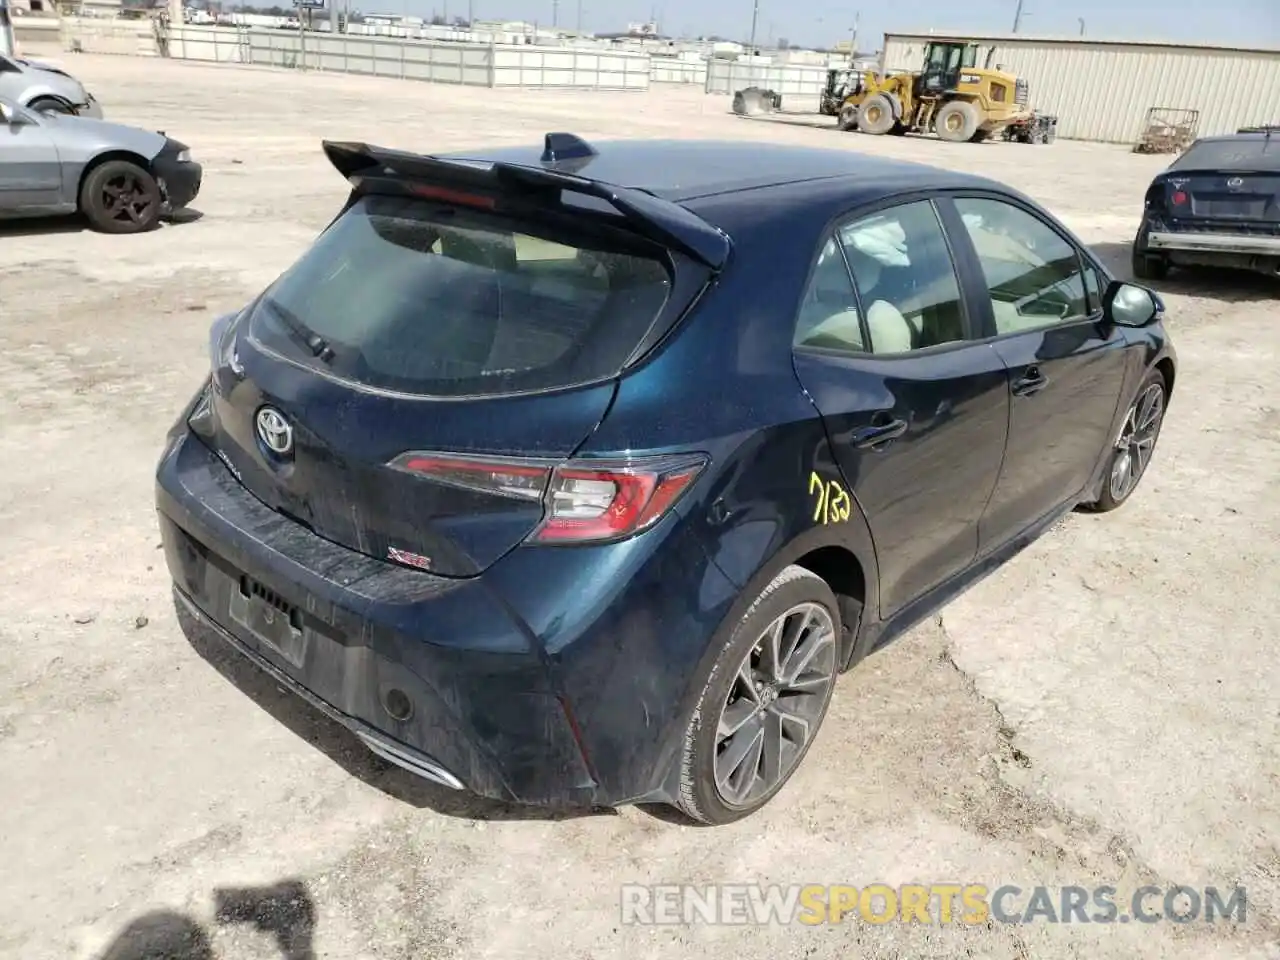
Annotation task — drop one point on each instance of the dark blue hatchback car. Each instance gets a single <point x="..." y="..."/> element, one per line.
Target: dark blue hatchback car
<point x="577" y="476"/>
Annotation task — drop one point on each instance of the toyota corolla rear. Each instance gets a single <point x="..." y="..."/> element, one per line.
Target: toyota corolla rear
<point x="376" y="495"/>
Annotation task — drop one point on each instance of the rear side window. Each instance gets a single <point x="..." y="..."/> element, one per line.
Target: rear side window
<point x="905" y="278"/>
<point x="406" y="295"/>
<point x="1243" y="153"/>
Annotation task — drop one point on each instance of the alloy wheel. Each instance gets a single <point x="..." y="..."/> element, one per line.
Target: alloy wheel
<point x="126" y="198"/>
<point x="774" y="704"/>
<point x="1137" y="441"/>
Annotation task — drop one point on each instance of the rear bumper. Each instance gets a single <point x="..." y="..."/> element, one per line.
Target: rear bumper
<point x="482" y="709"/>
<point x="559" y="677"/>
<point x="1214" y="243"/>
<point x="398" y="753"/>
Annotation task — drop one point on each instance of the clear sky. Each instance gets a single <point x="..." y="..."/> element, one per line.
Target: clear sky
<point x="822" y="22"/>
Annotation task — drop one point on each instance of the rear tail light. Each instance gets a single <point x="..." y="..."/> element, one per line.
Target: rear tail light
<point x="520" y="480"/>
<point x="1179" y="198"/>
<point x="584" y="501"/>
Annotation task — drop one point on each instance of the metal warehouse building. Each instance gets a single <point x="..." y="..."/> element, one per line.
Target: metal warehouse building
<point x="1102" y="89"/>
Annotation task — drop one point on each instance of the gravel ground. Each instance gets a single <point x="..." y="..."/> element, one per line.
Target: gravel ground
<point x="1101" y="711"/>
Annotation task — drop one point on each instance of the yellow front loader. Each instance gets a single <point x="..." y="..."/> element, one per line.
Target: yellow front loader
<point x="951" y="96"/>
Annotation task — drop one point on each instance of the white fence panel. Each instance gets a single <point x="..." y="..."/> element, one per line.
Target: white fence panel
<point x="472" y="64"/>
<point x="95" y="35"/>
<point x="580" y="69"/>
<point x="210" y="44"/>
<point x="795" y="81"/>
<point x="670" y="70"/>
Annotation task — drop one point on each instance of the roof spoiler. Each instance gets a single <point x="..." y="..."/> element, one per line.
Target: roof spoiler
<point x="659" y="220"/>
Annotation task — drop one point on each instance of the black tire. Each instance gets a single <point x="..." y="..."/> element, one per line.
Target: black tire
<point x="875" y="116"/>
<point x="1146" y="266"/>
<point x="957" y="121"/>
<point x="700" y="798"/>
<point x="121" y="197"/>
<point x="848" y="117"/>
<point x="982" y="136"/>
<point x="1113" y="494"/>
<point x="50" y="105"/>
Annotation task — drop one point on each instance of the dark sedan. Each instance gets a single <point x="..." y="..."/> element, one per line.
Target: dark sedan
<point x="1217" y="205"/>
<point x="578" y="478"/>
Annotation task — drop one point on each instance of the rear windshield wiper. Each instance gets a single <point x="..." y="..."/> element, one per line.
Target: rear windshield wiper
<point x="315" y="344"/>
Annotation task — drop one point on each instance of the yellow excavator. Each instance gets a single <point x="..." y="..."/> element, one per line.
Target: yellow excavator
<point x="951" y="96"/>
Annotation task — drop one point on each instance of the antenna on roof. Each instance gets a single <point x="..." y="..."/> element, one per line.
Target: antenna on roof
<point x="566" y="146"/>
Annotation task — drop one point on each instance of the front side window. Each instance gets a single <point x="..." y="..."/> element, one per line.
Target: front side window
<point x="905" y="278"/>
<point x="406" y="295"/>
<point x="1034" y="276"/>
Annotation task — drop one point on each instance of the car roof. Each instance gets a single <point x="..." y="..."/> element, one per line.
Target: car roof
<point x="684" y="170"/>
<point x="1236" y="137"/>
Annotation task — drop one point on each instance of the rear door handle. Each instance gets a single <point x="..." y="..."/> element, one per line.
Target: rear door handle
<point x="878" y="434"/>
<point x="1031" y="382"/>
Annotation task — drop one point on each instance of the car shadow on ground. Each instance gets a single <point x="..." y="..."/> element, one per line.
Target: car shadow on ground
<point x="43" y="226"/>
<point x="1228" y="286"/>
<point x="283" y="911"/>
<point x="181" y="217"/>
<point x="341" y="746"/>
<point x="74" y="223"/>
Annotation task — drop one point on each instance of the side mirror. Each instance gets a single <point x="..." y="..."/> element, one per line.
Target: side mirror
<point x="1129" y="305"/>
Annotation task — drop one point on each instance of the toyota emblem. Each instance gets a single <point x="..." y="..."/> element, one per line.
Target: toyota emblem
<point x="1235" y="183"/>
<point x="274" y="431"/>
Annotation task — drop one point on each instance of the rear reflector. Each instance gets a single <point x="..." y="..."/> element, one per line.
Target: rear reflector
<point x="584" y="501"/>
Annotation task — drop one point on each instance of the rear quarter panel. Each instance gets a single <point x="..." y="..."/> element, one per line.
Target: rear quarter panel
<point x="723" y="384"/>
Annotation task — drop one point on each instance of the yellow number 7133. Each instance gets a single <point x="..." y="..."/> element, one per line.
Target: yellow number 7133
<point x="833" y="504"/>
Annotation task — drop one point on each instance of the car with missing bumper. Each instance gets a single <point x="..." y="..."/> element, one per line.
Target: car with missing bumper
<point x="45" y="88"/>
<point x="578" y="477"/>
<point x="122" y="179"/>
<point x="1216" y="205"/>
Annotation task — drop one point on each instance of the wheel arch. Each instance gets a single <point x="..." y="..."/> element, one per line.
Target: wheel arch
<point x="844" y="560"/>
<point x="1167" y="369"/>
<point x="106" y="157"/>
<point x="47" y="95"/>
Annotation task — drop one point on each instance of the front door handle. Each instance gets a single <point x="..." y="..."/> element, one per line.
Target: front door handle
<point x="1031" y="382"/>
<point x="879" y="434"/>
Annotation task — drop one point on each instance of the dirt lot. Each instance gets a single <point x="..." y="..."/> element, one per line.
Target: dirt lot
<point x="1102" y="711"/>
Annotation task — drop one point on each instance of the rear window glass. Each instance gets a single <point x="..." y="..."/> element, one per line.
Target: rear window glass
<point x="1245" y="153"/>
<point x="406" y="295"/>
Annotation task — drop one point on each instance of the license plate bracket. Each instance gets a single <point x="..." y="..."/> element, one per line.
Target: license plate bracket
<point x="270" y="626"/>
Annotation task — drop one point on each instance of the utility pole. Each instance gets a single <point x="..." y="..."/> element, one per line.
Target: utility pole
<point x="755" y="14"/>
<point x="555" y="14"/>
<point x="853" y="39"/>
<point x="8" y="45"/>
<point x="1081" y="19"/>
<point x="1017" y="17"/>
